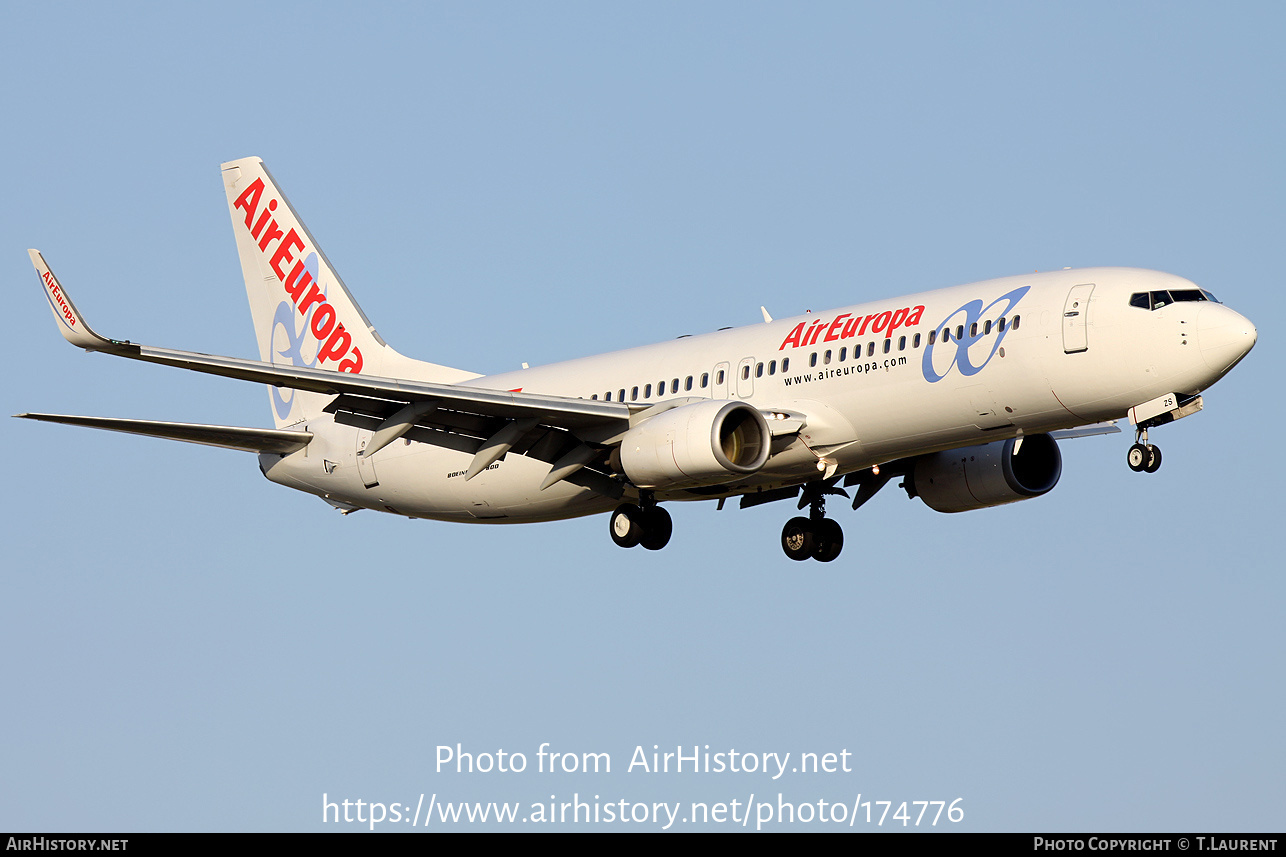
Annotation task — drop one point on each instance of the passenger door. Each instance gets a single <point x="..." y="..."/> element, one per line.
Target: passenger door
<point x="1076" y="318"/>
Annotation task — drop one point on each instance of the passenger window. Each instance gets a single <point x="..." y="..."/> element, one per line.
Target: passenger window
<point x="785" y="364"/>
<point x="915" y="343"/>
<point x="759" y="370"/>
<point x="843" y="352"/>
<point x="772" y="367"/>
<point x="607" y="397"/>
<point x="870" y="349"/>
<point x="946" y="334"/>
<point x="647" y="391"/>
<point x="812" y="359"/>
<point x="933" y="337"/>
<point x="634" y="394"/>
<point x="902" y="343"/>
<point x="594" y="396"/>
<point x="888" y="344"/>
<point x="705" y="380"/>
<point x="986" y="328"/>
<point x="1001" y="325"/>
<point x="973" y="330"/>
<point x="718" y="379"/>
<point x="959" y="332"/>
<point x="1016" y="320"/>
<point x="660" y="388"/>
<point x="687" y="384"/>
<point x="621" y="398"/>
<point x="826" y="358"/>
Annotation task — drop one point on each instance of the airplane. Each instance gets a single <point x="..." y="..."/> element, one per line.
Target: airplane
<point x="963" y="392"/>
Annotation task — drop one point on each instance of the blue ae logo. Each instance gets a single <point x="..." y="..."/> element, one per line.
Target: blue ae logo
<point x="970" y="334"/>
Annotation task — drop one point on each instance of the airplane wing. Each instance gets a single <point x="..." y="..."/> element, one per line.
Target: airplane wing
<point x="227" y="437"/>
<point x="570" y="434"/>
<point x="559" y="410"/>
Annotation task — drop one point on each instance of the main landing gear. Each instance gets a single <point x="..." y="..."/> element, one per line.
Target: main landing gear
<point x="646" y="524"/>
<point x="1143" y="457"/>
<point x="815" y="537"/>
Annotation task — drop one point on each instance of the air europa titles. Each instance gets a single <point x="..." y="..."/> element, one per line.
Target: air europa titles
<point x="334" y="342"/>
<point x="56" y="295"/>
<point x="847" y="325"/>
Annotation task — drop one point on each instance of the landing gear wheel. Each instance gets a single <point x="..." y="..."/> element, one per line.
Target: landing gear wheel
<point x="828" y="539"/>
<point x="798" y="539"/>
<point x="657" y="528"/>
<point x="626" y="525"/>
<point x="1154" y="460"/>
<point x="1138" y="457"/>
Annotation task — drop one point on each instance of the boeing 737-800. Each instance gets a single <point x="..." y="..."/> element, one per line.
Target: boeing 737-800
<point x="962" y="392"/>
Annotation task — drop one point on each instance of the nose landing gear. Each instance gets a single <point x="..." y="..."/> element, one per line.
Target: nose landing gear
<point x="1143" y="457"/>
<point x="817" y="536"/>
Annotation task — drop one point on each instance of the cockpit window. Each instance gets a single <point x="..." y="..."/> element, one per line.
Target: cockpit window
<point x="1156" y="300"/>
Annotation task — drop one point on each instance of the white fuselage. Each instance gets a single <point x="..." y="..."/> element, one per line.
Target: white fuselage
<point x="1068" y="355"/>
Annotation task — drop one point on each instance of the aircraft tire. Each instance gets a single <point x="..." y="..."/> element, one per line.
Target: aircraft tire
<point x="1154" y="460"/>
<point x="626" y="525"/>
<point x="1138" y="457"/>
<point x="657" y="528"/>
<point x="798" y="539"/>
<point x="829" y="539"/>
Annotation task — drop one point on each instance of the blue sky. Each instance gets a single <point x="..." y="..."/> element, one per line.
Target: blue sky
<point x="188" y="647"/>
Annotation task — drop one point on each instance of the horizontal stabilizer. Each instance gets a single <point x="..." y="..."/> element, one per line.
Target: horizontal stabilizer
<point x="228" y="437"/>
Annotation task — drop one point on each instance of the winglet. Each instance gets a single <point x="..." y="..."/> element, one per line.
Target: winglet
<point x="70" y="322"/>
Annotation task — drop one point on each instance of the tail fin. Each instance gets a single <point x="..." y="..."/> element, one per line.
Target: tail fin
<point x="303" y="315"/>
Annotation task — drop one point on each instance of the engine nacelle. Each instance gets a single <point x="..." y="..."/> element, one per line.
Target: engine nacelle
<point x="709" y="443"/>
<point x="976" y="477"/>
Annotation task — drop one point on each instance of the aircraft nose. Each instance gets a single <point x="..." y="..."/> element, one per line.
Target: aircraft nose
<point x="1224" y="336"/>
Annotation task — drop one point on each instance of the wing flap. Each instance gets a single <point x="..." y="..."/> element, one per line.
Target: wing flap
<point x="226" y="437"/>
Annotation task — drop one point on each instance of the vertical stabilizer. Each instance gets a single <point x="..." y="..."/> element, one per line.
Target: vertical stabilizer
<point x="303" y="314"/>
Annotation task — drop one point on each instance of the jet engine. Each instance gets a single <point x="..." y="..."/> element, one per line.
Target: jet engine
<point x="992" y="474"/>
<point x="708" y="443"/>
